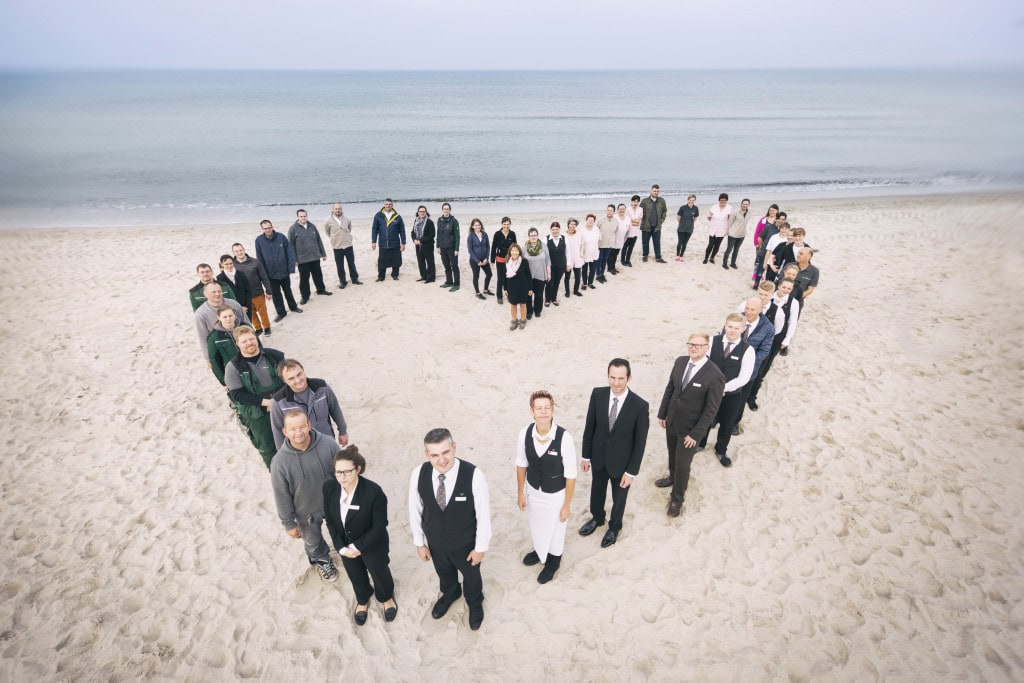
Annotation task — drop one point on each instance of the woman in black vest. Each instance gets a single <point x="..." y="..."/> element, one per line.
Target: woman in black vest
<point x="546" y="476"/>
<point x="356" y="512"/>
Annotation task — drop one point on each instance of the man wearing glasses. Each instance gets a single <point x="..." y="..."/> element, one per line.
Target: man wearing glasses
<point x="691" y="400"/>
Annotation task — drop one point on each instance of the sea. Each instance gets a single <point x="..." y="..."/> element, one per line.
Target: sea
<point x="143" y="148"/>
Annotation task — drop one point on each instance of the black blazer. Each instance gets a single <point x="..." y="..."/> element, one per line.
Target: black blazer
<point x="243" y="289"/>
<point x="622" y="449"/>
<point x="690" y="410"/>
<point x="365" y="528"/>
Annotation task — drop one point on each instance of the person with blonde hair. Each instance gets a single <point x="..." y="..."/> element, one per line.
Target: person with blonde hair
<point x="545" y="479"/>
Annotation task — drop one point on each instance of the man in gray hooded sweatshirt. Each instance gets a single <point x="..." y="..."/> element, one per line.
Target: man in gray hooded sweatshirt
<point x="298" y="472"/>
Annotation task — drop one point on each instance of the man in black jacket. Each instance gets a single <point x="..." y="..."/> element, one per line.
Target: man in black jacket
<point x="556" y="253"/>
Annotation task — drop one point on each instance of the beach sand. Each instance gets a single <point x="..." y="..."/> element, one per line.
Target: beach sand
<point x="871" y="526"/>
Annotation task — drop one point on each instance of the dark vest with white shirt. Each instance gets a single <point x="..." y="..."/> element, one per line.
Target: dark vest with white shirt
<point x="773" y="307"/>
<point x="545" y="472"/>
<point x="730" y="366"/>
<point x="454" y="527"/>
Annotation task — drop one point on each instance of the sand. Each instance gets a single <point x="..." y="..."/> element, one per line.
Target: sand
<point x="871" y="526"/>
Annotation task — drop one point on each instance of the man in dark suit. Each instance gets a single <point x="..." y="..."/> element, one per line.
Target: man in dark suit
<point x="613" y="444"/>
<point x="760" y="334"/>
<point x="450" y="519"/>
<point x="688" y="407"/>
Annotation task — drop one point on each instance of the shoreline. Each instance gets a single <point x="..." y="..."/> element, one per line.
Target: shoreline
<point x="529" y="209"/>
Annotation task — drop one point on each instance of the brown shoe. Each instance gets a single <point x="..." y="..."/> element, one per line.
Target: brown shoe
<point x="664" y="482"/>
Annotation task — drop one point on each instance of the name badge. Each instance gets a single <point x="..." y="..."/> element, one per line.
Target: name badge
<point x="353" y="507"/>
<point x="696" y="385"/>
<point x="460" y="499"/>
<point x="552" y="452"/>
<point x="734" y="357"/>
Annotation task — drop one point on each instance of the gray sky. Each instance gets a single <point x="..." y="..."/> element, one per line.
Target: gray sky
<point x="524" y="34"/>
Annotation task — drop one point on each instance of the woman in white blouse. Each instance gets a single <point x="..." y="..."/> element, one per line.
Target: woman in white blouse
<point x="573" y="256"/>
<point x="546" y="478"/>
<point x="590" y="237"/>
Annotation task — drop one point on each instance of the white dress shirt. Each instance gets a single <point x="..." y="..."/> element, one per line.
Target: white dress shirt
<point x="481" y="503"/>
<point x="746" y="366"/>
<point x="568" y="449"/>
<point x="345" y="506"/>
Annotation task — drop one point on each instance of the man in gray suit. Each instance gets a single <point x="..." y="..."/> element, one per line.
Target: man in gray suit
<point x="691" y="400"/>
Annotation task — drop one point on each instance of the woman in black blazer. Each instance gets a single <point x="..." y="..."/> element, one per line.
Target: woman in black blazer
<point x="356" y="512"/>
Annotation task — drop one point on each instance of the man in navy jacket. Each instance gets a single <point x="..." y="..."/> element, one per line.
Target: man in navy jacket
<point x="275" y="252"/>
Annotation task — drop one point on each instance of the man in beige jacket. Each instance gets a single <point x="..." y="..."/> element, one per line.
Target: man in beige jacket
<point x="339" y="230"/>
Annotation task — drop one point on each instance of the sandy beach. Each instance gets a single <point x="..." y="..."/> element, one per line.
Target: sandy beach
<point x="872" y="526"/>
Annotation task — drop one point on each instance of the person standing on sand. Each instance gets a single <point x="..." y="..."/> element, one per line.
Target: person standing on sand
<point x="622" y="227"/>
<point x="545" y="481"/>
<point x="303" y="464"/>
<point x="607" y="226"/>
<point x="737" y="360"/>
<point x="500" y="242"/>
<point x="196" y="297"/>
<point x="574" y="261"/>
<point x="655" y="209"/>
<point x="718" y="226"/>
<point x="258" y="278"/>
<point x="539" y="263"/>
<point x="478" y="246"/>
<point x="251" y="379"/>
<point x="688" y="406"/>
<point x="312" y="396"/>
<point x="783" y="311"/>
<point x="388" y="231"/>
<point x="220" y="344"/>
<point x="231" y="278"/>
<point x="339" y="231"/>
<point x="590" y="239"/>
<point x="275" y="252"/>
<point x="206" y="314"/>
<point x="518" y="286"/>
<point x="807" y="277"/>
<point x="448" y="246"/>
<point x="614" y="440"/>
<point x="687" y="214"/>
<point x="736" y="232"/>
<point x="762" y="233"/>
<point x="309" y="251"/>
<point x="423" y="239"/>
<point x="450" y="520"/>
<point x="559" y="264"/>
<point x="636" y="217"/>
<point x="759" y="333"/>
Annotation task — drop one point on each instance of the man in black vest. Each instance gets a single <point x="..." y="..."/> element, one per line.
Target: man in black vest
<point x="688" y="406"/>
<point x="737" y="360"/>
<point x="450" y="518"/>
<point x="556" y="252"/>
<point x="614" y="440"/>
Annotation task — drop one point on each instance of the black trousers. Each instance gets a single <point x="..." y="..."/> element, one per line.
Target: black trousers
<point x="499" y="267"/>
<point x="277" y="287"/>
<point x="589" y="271"/>
<point x="575" y="281"/>
<point x="679" y="460"/>
<point x="311" y="268"/>
<point x="599" y="490"/>
<point x="613" y="257"/>
<point x="361" y="569"/>
<point x="539" y="286"/>
<point x="627" y="250"/>
<point x="766" y="365"/>
<point x="556" y="279"/>
<point x="732" y="247"/>
<point x="425" y="261"/>
<point x="448" y="564"/>
<point x="476" y="268"/>
<point x="652" y="236"/>
<point x="340" y="257"/>
<point x="451" y="266"/>
<point x="714" y="243"/>
<point x="728" y="417"/>
<point x="682" y="238"/>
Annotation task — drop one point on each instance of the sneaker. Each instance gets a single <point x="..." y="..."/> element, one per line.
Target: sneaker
<point x="555" y="302"/>
<point x="327" y="570"/>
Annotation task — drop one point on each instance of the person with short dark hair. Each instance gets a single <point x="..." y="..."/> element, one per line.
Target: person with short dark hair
<point x="232" y="278"/>
<point x="339" y="231"/>
<point x="737" y="359"/>
<point x="636" y="217"/>
<point x="518" y="287"/>
<point x="309" y="252"/>
<point x="206" y="315"/>
<point x="687" y="214"/>
<point x="559" y="264"/>
<point x="251" y="379"/>
<point x="356" y="513"/>
<point x="220" y="343"/>
<point x="737" y="231"/>
<point x="388" y="231"/>
<point x="311" y="395"/>
<point x="590" y="238"/>
<point x="614" y="440"/>
<point x="303" y="464"/>
<point x="450" y="520"/>
<point x="478" y="246"/>
<point x="275" y="252"/>
<point x="500" y="242"/>
<point x="259" y="280"/>
<point x="762" y="233"/>
<point x="607" y="226"/>
<point x="718" y="226"/>
<point x="574" y="261"/>
<point x="539" y="263"/>
<point x="196" y="296"/>
<point x="448" y="246"/>
<point x="655" y="209"/>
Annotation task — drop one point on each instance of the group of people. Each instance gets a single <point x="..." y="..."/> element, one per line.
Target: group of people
<point x="297" y="425"/>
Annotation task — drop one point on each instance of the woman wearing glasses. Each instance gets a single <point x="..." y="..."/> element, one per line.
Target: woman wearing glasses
<point x="356" y="512"/>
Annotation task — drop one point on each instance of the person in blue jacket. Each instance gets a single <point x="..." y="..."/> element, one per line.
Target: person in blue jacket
<point x="275" y="252"/>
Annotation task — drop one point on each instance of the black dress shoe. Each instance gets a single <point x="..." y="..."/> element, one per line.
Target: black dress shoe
<point x="610" y="537"/>
<point x="394" y="277"/>
<point x="380" y="279"/>
<point x="660" y="260"/>
<point x="296" y="310"/>
<point x="735" y="430"/>
<point x="724" y="459"/>
<point x="280" y="318"/>
<point x="443" y="603"/>
<point x="674" y="508"/>
<point x="357" y="282"/>
<point x="476" y="617"/>
<point x="419" y="279"/>
<point x="752" y="404"/>
<point x="325" y="293"/>
<point x="343" y="285"/>
<point x="390" y="613"/>
<point x="531" y="558"/>
<point x="664" y="482"/>
<point x="784" y="352"/>
<point x="303" y="301"/>
<point x="360" y="617"/>
<point x="589" y="527"/>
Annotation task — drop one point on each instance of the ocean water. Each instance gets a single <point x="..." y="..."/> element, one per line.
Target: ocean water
<point x="152" y="148"/>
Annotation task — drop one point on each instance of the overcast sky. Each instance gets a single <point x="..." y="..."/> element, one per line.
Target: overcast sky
<point x="523" y="34"/>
